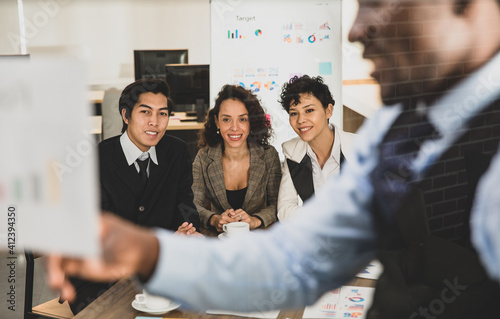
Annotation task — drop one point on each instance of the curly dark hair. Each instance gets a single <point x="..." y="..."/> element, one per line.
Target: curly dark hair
<point x="305" y="84"/>
<point x="260" y="127"/>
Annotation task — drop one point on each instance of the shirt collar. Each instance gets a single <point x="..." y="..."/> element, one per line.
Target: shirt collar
<point x="336" y="144"/>
<point x="132" y="152"/>
<point x="335" y="153"/>
<point x="469" y="97"/>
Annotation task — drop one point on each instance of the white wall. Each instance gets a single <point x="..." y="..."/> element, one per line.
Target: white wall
<point x="104" y="33"/>
<point x="353" y="65"/>
<point x="9" y="27"/>
<point x="361" y="94"/>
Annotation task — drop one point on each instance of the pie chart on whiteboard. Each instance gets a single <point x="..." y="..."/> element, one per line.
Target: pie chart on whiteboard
<point x="258" y="32"/>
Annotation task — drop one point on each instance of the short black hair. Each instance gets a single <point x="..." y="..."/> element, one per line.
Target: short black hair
<point x="305" y="84"/>
<point x="130" y="95"/>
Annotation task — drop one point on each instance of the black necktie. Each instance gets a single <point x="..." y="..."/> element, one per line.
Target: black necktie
<point x="143" y="164"/>
<point x="392" y="178"/>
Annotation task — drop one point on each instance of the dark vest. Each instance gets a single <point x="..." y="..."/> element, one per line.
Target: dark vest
<point x="301" y="174"/>
<point x="419" y="266"/>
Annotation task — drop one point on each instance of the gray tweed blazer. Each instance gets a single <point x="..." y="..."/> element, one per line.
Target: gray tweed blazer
<point x="263" y="183"/>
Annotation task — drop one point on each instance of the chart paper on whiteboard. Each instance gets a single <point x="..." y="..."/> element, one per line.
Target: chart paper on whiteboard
<point x="48" y="163"/>
<point x="261" y="44"/>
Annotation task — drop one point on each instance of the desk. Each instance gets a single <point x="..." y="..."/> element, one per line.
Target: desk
<point x="175" y="124"/>
<point x="95" y="124"/>
<point x="186" y="131"/>
<point x="116" y="304"/>
<point x="95" y="96"/>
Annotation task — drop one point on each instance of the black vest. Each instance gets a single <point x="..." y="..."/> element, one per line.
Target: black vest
<point x="301" y="174"/>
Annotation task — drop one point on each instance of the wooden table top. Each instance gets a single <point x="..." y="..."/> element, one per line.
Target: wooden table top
<point x="116" y="303"/>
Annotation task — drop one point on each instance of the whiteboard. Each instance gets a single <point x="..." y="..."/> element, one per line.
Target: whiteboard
<point x="262" y="44"/>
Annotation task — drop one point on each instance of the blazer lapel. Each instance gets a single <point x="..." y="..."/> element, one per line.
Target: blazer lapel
<point x="256" y="171"/>
<point x="216" y="176"/>
<point x="126" y="173"/>
<point x="155" y="173"/>
<point x="164" y="156"/>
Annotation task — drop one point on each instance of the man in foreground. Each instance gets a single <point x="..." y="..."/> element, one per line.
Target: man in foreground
<point x="433" y="60"/>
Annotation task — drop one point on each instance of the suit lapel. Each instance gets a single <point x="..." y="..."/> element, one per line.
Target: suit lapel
<point x="126" y="173"/>
<point x="216" y="176"/>
<point x="256" y="172"/>
<point x="157" y="171"/>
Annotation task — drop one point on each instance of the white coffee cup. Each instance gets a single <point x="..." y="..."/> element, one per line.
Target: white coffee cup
<point x="151" y="301"/>
<point x="236" y="228"/>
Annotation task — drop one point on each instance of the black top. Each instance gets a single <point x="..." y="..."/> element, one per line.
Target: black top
<point x="236" y="198"/>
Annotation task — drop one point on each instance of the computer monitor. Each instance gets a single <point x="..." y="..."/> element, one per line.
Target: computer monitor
<point x="151" y="63"/>
<point x="189" y="86"/>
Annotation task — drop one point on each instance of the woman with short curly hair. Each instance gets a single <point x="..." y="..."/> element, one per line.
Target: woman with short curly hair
<point x="317" y="153"/>
<point x="236" y="173"/>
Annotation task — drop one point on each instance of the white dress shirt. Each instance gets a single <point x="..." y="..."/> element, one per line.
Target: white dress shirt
<point x="132" y="152"/>
<point x="332" y="164"/>
<point x="485" y="219"/>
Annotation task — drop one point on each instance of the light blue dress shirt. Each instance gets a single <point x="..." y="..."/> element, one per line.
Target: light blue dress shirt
<point x="485" y="219"/>
<point x="295" y="262"/>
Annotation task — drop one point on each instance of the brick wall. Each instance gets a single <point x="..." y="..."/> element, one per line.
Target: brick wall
<point x="451" y="182"/>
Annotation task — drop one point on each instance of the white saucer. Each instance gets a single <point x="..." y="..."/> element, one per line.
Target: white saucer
<point x="143" y="308"/>
<point x="223" y="236"/>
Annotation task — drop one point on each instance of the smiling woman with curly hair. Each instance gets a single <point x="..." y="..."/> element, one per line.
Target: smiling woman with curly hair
<point x="317" y="153"/>
<point x="236" y="172"/>
<point x="260" y="127"/>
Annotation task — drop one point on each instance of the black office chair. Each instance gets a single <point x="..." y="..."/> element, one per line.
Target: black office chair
<point x="49" y="310"/>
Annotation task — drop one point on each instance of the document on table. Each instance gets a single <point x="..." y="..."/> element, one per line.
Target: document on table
<point x="372" y="271"/>
<point x="258" y="314"/>
<point x="48" y="176"/>
<point x="344" y="302"/>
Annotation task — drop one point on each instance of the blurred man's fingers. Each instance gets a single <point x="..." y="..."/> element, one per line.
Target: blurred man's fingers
<point x="55" y="271"/>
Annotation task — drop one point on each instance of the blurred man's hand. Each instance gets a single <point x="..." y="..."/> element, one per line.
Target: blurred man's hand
<point x="126" y="250"/>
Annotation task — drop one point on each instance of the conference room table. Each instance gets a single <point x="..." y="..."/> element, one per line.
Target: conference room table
<point x="116" y="303"/>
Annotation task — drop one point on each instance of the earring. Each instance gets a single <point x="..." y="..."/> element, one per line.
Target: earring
<point x="218" y="131"/>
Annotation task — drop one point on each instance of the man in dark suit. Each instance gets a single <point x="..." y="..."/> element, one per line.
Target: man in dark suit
<point x="165" y="200"/>
<point x="145" y="175"/>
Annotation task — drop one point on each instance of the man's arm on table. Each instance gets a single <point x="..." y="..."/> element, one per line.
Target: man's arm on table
<point x="290" y="265"/>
